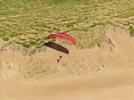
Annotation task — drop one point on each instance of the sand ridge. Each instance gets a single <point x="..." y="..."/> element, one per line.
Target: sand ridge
<point x="114" y="81"/>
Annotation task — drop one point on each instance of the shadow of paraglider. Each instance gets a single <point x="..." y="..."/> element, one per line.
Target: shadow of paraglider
<point x="57" y="47"/>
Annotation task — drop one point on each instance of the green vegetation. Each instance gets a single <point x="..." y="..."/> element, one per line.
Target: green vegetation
<point x="28" y="22"/>
<point x="131" y="30"/>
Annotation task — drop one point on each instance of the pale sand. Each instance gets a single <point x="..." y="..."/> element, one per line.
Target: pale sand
<point x="115" y="83"/>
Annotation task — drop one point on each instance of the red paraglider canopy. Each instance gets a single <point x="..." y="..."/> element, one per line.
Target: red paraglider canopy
<point x="62" y="35"/>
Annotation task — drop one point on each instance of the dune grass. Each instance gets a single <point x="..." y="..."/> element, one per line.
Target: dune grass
<point x="28" y="22"/>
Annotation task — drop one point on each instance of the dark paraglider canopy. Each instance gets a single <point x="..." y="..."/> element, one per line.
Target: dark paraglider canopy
<point x="56" y="46"/>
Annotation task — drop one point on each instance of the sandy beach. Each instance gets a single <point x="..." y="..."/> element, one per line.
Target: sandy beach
<point x="113" y="81"/>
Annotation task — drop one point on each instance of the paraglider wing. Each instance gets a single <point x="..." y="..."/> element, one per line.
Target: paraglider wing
<point x="57" y="47"/>
<point x="64" y="36"/>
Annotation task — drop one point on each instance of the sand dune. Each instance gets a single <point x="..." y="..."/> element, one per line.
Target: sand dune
<point x="112" y="86"/>
<point x="115" y="83"/>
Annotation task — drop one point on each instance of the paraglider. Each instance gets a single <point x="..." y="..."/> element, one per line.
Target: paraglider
<point x="60" y="35"/>
<point x="64" y="36"/>
<point x="56" y="46"/>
